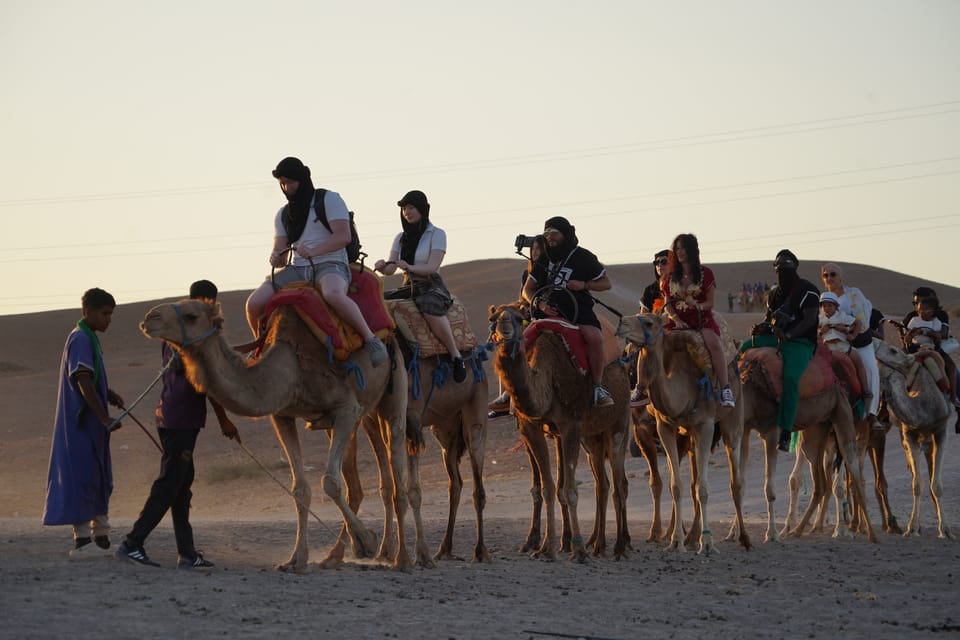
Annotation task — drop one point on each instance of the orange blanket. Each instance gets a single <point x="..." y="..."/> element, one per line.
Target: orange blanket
<point x="366" y="289"/>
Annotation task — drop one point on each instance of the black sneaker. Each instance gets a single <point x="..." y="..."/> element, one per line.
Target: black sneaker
<point x="136" y="556"/>
<point x="102" y="541"/>
<point x="196" y="562"/>
<point x="784" y="443"/>
<point x="459" y="370"/>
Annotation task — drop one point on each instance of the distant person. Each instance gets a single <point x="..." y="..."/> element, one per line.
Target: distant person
<point x="297" y="229"/>
<point x="180" y="414"/>
<point x="80" y="476"/>
<point x="651" y="301"/>
<point x="418" y="251"/>
<point x="500" y="406"/>
<point x="790" y="325"/>
<point x="925" y="330"/>
<point x="573" y="272"/>
<point x="688" y="291"/>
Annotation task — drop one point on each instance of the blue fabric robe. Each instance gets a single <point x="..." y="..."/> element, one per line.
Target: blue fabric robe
<point x="80" y="478"/>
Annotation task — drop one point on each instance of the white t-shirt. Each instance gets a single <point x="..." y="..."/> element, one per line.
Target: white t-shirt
<point x="433" y="238"/>
<point x="922" y="341"/>
<point x="315" y="233"/>
<point x="835" y="327"/>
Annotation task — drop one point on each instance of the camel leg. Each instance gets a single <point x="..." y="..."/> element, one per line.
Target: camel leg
<point x="286" y="431"/>
<point x="415" y="498"/>
<point x="811" y="451"/>
<point x="769" y="471"/>
<point x="392" y="419"/>
<point x="843" y="507"/>
<point x="597" y="541"/>
<point x="351" y="478"/>
<point x="733" y="437"/>
<point x="618" y="476"/>
<point x="559" y="497"/>
<point x="935" y="469"/>
<point x="793" y="483"/>
<point x="648" y="449"/>
<point x="734" y="531"/>
<point x="476" y="435"/>
<point x="701" y="486"/>
<point x="568" y="449"/>
<point x="451" y="449"/>
<point x="536" y="443"/>
<point x="668" y="439"/>
<point x="843" y="428"/>
<point x="375" y="430"/>
<point x="536" y="495"/>
<point x="877" y="451"/>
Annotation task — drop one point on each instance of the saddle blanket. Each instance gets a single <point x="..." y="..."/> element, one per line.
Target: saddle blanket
<point x="412" y="326"/>
<point x="816" y="378"/>
<point x="366" y="289"/>
<point x="573" y="340"/>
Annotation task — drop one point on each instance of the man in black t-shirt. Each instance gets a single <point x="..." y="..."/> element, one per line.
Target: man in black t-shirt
<point x="564" y="274"/>
<point x="791" y="322"/>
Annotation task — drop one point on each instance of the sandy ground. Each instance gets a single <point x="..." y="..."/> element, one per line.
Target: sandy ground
<point x="810" y="587"/>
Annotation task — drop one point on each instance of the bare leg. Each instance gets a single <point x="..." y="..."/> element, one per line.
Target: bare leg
<point x="333" y="288"/>
<point x="440" y="326"/>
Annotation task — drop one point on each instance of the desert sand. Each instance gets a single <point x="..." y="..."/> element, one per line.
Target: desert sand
<point x="815" y="586"/>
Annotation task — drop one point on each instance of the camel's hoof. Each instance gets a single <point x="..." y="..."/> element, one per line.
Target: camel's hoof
<point x="544" y="554"/>
<point x="402" y="563"/>
<point x="480" y="554"/>
<point x="946" y="535"/>
<point x="299" y="569"/>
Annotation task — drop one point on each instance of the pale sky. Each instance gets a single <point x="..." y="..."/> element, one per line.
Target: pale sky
<point x="138" y="137"/>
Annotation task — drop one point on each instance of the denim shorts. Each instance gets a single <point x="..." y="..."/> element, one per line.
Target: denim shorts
<point x="290" y="273"/>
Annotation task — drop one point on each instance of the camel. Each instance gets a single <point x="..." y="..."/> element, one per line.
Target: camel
<point x="457" y="416"/>
<point x="672" y="379"/>
<point x="818" y="415"/>
<point x="551" y="397"/>
<point x="294" y="378"/>
<point x="922" y="413"/>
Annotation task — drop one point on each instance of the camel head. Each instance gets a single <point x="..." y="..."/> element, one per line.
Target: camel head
<point x="182" y="323"/>
<point x="891" y="356"/>
<point x="642" y="330"/>
<point x="506" y="323"/>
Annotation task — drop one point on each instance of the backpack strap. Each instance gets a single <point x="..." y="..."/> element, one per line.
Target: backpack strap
<point x="320" y="206"/>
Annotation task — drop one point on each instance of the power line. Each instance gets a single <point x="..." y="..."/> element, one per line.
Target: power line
<point x="634" y="147"/>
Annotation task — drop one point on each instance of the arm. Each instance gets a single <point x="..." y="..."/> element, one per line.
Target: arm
<point x="84" y="380"/>
<point x="278" y="256"/>
<point x="602" y="283"/>
<point x="387" y="267"/>
<point x="431" y="267"/>
<point x="339" y="238"/>
<point x="227" y="428"/>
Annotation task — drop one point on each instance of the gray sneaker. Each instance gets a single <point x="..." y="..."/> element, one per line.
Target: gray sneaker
<point x="726" y="398"/>
<point x="377" y="351"/>
<point x="601" y="397"/>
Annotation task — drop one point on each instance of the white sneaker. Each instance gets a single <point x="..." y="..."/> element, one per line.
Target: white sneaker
<point x="601" y="397"/>
<point x="726" y="398"/>
<point x="377" y="351"/>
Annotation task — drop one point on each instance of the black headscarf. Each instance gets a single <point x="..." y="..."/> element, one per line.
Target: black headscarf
<point x="570" y="240"/>
<point x="295" y="214"/>
<point x="786" y="265"/>
<point x="412" y="232"/>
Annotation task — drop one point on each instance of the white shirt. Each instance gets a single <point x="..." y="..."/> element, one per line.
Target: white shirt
<point x="315" y="233"/>
<point x="433" y="238"/>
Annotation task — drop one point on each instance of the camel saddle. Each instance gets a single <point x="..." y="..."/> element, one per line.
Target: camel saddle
<point x="817" y="377"/>
<point x="846" y="372"/>
<point x="573" y="341"/>
<point x="414" y="329"/>
<point x="366" y="289"/>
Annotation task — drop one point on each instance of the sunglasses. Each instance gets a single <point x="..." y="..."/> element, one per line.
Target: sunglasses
<point x="660" y="261"/>
<point x="829" y="274"/>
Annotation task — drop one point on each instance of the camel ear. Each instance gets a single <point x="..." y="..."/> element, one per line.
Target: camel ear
<point x="216" y="314"/>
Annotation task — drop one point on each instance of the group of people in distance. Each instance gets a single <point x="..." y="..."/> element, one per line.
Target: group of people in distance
<point x="311" y="232"/>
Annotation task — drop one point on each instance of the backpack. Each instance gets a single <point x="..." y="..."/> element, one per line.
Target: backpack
<point x="353" y="247"/>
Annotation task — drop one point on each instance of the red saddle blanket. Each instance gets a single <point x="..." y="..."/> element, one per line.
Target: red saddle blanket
<point x="366" y="289"/>
<point x="573" y="340"/>
<point x="817" y="377"/>
<point x="846" y="371"/>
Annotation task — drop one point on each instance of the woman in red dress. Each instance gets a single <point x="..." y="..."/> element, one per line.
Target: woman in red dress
<point x="688" y="288"/>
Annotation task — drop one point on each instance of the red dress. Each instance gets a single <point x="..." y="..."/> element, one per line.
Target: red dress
<point x="676" y="294"/>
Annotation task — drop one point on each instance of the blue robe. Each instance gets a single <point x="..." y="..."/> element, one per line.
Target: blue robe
<point x="80" y="478"/>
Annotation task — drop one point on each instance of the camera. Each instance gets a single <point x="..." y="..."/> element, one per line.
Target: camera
<point x="524" y="242"/>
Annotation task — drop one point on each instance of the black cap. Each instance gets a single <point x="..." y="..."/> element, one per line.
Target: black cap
<point x="293" y="169"/>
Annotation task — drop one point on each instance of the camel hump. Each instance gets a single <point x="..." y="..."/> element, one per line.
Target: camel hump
<point x="766" y="361"/>
<point x="414" y="329"/>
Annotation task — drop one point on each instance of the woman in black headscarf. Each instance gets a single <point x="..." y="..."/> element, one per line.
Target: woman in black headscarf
<point x="418" y="251"/>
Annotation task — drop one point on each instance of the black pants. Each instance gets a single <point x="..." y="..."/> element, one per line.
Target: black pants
<point x="171" y="490"/>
